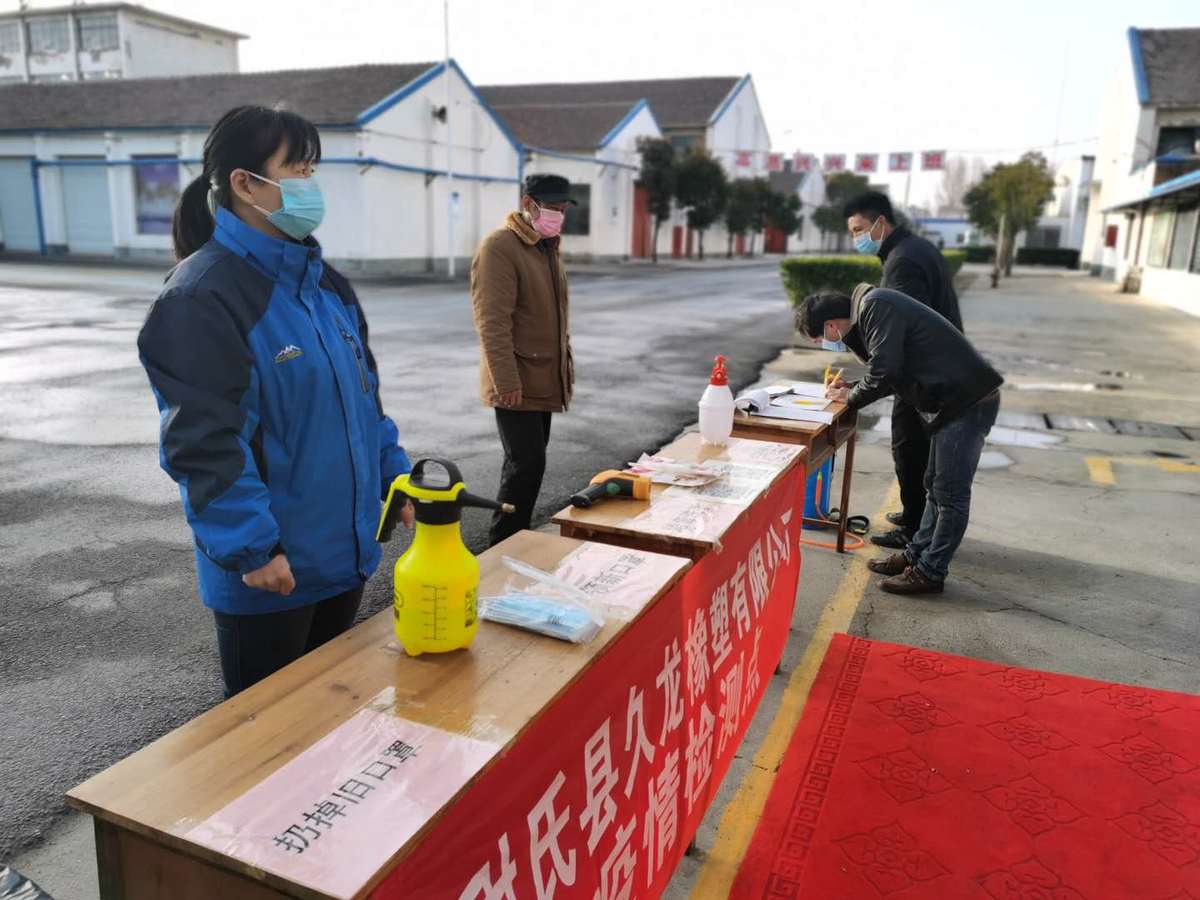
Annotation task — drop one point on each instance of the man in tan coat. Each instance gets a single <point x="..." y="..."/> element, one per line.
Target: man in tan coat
<point x="519" y="298"/>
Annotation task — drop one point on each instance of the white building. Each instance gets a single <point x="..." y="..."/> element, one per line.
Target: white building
<point x="594" y="146"/>
<point x="945" y="232"/>
<point x="719" y="114"/>
<point x="95" y="168"/>
<point x="810" y="188"/>
<point x="1142" y="222"/>
<point x="1065" y="217"/>
<point x="109" y="40"/>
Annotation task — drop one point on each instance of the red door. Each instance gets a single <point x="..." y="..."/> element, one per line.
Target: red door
<point x="643" y="225"/>
<point x="775" y="242"/>
<point x="677" y="241"/>
<point x="739" y="246"/>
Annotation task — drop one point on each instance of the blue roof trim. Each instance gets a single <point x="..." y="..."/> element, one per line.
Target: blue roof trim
<point x="379" y="108"/>
<point x="575" y="157"/>
<point x="487" y="107"/>
<point x="728" y="101"/>
<point x="625" y="120"/>
<point x="1175" y="184"/>
<point x="1139" y="67"/>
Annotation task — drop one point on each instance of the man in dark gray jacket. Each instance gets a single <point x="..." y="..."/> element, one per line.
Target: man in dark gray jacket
<point x="917" y="354"/>
<point x="913" y="266"/>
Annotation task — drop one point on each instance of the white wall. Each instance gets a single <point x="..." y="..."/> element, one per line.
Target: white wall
<point x="1172" y="286"/>
<point x="152" y="48"/>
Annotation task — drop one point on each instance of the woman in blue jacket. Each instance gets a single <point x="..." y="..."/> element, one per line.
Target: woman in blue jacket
<point x="269" y="397"/>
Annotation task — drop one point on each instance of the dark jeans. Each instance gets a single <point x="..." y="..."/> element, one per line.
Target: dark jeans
<point x="253" y="647"/>
<point x="525" y="436"/>
<point x="910" y="453"/>
<point x="953" y="458"/>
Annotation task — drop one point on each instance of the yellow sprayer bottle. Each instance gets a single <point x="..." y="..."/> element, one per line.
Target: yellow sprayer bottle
<point x="437" y="578"/>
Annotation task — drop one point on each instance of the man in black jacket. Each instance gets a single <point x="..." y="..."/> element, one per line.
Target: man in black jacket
<point x="917" y="354"/>
<point x="913" y="266"/>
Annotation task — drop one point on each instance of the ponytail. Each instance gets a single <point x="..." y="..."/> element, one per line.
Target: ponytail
<point x="193" y="223"/>
<point x="244" y="138"/>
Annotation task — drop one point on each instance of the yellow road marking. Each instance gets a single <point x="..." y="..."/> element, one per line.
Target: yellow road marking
<point x="1101" y="470"/>
<point x="742" y="814"/>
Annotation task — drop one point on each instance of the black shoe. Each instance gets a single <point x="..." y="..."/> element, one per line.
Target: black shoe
<point x="895" y="540"/>
<point x="897" y="518"/>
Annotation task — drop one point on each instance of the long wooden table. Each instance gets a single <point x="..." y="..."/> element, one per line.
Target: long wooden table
<point x="645" y="525"/>
<point x="152" y="810"/>
<point x="820" y="440"/>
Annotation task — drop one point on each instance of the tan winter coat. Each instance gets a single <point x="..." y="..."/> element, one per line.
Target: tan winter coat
<point x="519" y="300"/>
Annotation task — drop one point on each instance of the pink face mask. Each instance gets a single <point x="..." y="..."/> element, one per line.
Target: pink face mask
<point x="549" y="222"/>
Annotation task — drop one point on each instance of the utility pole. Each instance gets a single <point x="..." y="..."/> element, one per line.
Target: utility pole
<point x="449" y="148"/>
<point x="1000" y="249"/>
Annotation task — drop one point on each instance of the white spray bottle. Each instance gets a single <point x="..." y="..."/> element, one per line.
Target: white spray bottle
<point x="716" y="406"/>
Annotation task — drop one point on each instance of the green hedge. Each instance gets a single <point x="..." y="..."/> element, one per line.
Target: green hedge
<point x="804" y="275"/>
<point x="1048" y="256"/>
<point x="954" y="260"/>
<point x="980" y="253"/>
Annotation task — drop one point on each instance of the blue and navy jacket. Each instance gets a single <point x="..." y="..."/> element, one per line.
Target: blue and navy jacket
<point x="271" y="421"/>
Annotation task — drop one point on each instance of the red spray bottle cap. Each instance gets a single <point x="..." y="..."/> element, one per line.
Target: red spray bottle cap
<point x="719" y="375"/>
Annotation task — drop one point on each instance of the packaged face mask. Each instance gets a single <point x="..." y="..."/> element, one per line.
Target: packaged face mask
<point x="556" y="618"/>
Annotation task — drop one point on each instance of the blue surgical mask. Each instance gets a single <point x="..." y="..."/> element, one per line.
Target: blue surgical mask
<point x="835" y="346"/>
<point x="303" y="206"/>
<point x="864" y="243"/>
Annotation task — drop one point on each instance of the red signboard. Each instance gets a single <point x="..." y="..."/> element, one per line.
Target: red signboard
<point x="744" y="159"/>
<point x="601" y="796"/>
<point x="866" y="162"/>
<point x="900" y="162"/>
<point x="834" y="162"/>
<point x="933" y="160"/>
<point x="774" y="162"/>
<point x="803" y="162"/>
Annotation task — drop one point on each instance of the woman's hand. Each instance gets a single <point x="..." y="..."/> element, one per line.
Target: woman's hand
<point x="275" y="576"/>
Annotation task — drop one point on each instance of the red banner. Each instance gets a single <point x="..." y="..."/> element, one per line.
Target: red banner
<point x="774" y="162"/>
<point x="900" y="162"/>
<point x="744" y="159"/>
<point x="803" y="162"/>
<point x="834" y="162"/>
<point x="601" y="796"/>
<point x="933" y="160"/>
<point x="866" y="162"/>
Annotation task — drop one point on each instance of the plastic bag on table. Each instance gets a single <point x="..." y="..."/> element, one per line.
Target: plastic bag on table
<point x="536" y="600"/>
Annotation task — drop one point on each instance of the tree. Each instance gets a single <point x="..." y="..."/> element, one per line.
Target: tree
<point x="739" y="210"/>
<point x="840" y="188"/>
<point x="702" y="189"/>
<point x="957" y="178"/>
<point x="760" y="194"/>
<point x="659" y="176"/>
<point x="1013" y="194"/>
<point x="783" y="212"/>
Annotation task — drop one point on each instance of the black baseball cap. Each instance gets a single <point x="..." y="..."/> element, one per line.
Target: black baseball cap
<point x="549" y="189"/>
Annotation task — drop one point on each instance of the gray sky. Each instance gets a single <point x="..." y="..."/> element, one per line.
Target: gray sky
<point x="866" y="76"/>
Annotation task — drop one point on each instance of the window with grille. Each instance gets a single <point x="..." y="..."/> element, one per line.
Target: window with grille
<point x="1160" y="237"/>
<point x="49" y="35"/>
<point x="579" y="218"/>
<point x="10" y="37"/>
<point x="99" y="32"/>
<point x="1181" y="243"/>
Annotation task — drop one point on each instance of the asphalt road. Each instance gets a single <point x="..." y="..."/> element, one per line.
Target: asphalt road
<point x="105" y="644"/>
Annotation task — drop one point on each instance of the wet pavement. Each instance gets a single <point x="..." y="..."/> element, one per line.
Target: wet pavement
<point x="105" y="645"/>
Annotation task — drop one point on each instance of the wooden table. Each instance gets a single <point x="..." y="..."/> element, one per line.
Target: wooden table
<point x="821" y="441"/>
<point x="625" y="522"/>
<point x="147" y="806"/>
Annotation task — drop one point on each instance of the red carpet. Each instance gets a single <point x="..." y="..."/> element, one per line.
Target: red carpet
<point x="914" y="774"/>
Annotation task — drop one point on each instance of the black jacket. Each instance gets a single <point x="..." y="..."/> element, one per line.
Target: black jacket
<point x="913" y="266"/>
<point x="916" y="353"/>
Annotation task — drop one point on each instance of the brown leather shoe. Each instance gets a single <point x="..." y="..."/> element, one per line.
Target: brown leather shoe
<point x="892" y="565"/>
<point x="912" y="581"/>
